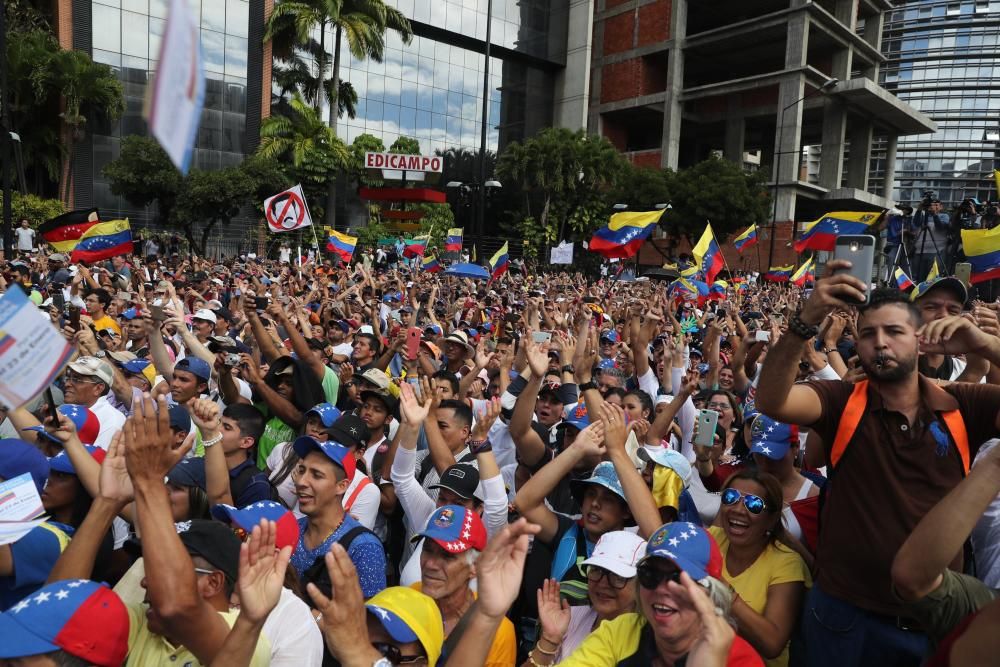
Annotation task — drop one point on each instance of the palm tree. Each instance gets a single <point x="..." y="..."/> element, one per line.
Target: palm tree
<point x="298" y="134"/>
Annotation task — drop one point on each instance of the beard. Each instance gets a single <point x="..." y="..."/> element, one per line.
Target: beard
<point x="893" y="371"/>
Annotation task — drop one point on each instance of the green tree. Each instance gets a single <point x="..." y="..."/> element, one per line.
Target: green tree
<point x="564" y="178"/>
<point x="719" y="191"/>
<point x="144" y="175"/>
<point x="210" y="198"/>
<point x="405" y="146"/>
<point x="36" y="209"/>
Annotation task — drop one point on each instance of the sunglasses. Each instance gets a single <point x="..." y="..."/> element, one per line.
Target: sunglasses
<point x="616" y="581"/>
<point x="650" y="576"/>
<point x="73" y="378"/>
<point x="754" y="504"/>
<point x="392" y="654"/>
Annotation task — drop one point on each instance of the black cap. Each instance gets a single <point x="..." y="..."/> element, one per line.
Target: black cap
<point x="199" y="276"/>
<point x="350" y="431"/>
<point x="461" y="479"/>
<point x="224" y="313"/>
<point x="213" y="541"/>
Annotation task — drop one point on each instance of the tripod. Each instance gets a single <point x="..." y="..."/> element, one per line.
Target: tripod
<point x="920" y="243"/>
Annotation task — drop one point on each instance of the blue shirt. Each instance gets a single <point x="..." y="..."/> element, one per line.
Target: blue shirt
<point x="34" y="556"/>
<point x="253" y="489"/>
<point x="366" y="552"/>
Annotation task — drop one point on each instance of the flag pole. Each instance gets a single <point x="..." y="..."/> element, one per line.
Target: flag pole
<point x="757" y="245"/>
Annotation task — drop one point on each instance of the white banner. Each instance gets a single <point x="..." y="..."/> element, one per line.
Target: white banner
<point x="562" y="253"/>
<point x="174" y="101"/>
<point x="287" y="211"/>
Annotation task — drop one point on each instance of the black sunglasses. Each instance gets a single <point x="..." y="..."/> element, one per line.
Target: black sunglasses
<point x="651" y="576"/>
<point x="392" y="654"/>
<point x="616" y="581"/>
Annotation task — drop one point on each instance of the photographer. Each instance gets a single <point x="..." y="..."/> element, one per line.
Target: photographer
<point x="930" y="228"/>
<point x="897" y="226"/>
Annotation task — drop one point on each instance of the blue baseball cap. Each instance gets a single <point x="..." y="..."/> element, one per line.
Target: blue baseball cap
<point x="433" y="329"/>
<point x="668" y="458"/>
<point x="610" y="335"/>
<point x="189" y="472"/>
<point x="83" y="618"/>
<point x="61" y="462"/>
<point x="131" y="313"/>
<point x="18" y="457"/>
<point x="578" y="418"/>
<point x="456" y="529"/>
<point x="327" y="413"/>
<point x="247" y="517"/>
<point x="771" y="438"/>
<point x="180" y="419"/>
<point x="340" y="455"/>
<point x="690" y="547"/>
<point x="197" y="367"/>
<point x="607" y="364"/>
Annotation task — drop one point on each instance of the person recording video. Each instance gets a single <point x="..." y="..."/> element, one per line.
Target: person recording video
<point x="931" y="230"/>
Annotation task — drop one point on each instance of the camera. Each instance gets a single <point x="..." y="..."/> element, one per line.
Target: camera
<point x="232" y="359"/>
<point x="928" y="199"/>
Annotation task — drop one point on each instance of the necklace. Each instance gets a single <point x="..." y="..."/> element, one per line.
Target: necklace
<point x="330" y="534"/>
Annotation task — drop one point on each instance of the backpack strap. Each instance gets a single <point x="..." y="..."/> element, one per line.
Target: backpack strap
<point x="349" y="503"/>
<point x="849" y="421"/>
<point x="956" y="427"/>
<point x="348" y="537"/>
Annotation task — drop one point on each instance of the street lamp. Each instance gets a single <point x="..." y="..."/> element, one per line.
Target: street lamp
<point x="827" y="85"/>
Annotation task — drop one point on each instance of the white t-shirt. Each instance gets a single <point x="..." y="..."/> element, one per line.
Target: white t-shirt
<point x="286" y="488"/>
<point x="366" y="504"/>
<point x="25" y="238"/>
<point x="295" y="638"/>
<point x="111" y="421"/>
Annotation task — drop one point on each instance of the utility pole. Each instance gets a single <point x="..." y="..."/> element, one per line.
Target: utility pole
<point x="481" y="195"/>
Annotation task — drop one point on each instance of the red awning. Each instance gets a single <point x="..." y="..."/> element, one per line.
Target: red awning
<point x="403" y="194"/>
<point x="390" y="214"/>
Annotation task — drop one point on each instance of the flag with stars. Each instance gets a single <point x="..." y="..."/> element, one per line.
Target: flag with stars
<point x="822" y="234"/>
<point x="63" y="232"/>
<point x="104" y="241"/>
<point x="772" y="438"/>
<point x="624" y="233"/>
<point x="455" y="529"/>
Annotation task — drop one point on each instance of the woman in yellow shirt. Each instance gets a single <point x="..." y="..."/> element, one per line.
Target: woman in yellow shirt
<point x="769" y="579"/>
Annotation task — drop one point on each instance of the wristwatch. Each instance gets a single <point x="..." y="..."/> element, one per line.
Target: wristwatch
<point x="568" y="368"/>
<point x="829" y="350"/>
<point x="587" y="385"/>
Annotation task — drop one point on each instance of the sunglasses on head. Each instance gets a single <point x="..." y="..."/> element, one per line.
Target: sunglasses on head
<point x="651" y="576"/>
<point x="754" y="504"/>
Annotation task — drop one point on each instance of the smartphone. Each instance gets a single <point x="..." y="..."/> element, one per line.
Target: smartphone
<point x="59" y="300"/>
<point x="74" y="318"/>
<point x="541" y="336"/>
<point x="763" y="336"/>
<point x="156" y="311"/>
<point x="963" y="271"/>
<point x="707" y="421"/>
<point x="260" y="302"/>
<point x="859" y="249"/>
<point x="413" y="335"/>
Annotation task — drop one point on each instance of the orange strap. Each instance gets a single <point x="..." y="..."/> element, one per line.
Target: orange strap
<point x="849" y="421"/>
<point x="855" y="409"/>
<point x="349" y="503"/>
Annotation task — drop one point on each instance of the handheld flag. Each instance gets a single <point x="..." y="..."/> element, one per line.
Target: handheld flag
<point x="982" y="248"/>
<point x="717" y="290"/>
<point x="430" y="264"/>
<point x="804" y="273"/>
<point x="822" y="234"/>
<point x="499" y="262"/>
<point x="104" y="241"/>
<point x="287" y="211"/>
<point x="174" y="100"/>
<point x="746" y="240"/>
<point x="624" y="233"/>
<point x="933" y="273"/>
<point x="903" y="281"/>
<point x="686" y="289"/>
<point x="779" y="274"/>
<point x="63" y="232"/>
<point x="342" y="245"/>
<point x="708" y="254"/>
<point x="415" y="247"/>
<point x="453" y="242"/>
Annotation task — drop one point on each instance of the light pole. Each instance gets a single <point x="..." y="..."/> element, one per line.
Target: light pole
<point x="481" y="213"/>
<point x="481" y="193"/>
<point x="828" y="84"/>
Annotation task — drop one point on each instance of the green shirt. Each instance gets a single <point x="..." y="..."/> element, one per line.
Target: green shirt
<point x="331" y="385"/>
<point x="275" y="431"/>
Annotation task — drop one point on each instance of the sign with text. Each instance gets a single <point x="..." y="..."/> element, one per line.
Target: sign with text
<point x="426" y="163"/>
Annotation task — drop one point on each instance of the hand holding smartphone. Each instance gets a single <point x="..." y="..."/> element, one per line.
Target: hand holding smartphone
<point x="707" y="421"/>
<point x="859" y="250"/>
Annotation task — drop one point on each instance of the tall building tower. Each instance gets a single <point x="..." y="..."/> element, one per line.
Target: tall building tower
<point x="943" y="59"/>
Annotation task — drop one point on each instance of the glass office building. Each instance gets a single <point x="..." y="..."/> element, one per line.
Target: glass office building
<point x="944" y="59"/>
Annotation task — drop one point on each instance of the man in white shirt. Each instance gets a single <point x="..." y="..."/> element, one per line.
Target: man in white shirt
<point x="88" y="381"/>
<point x="25" y="236"/>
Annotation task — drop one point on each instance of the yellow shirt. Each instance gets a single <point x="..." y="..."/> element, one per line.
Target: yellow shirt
<point x="105" y="322"/>
<point x="776" y="565"/>
<point x="503" y="653"/>
<point x="146" y="648"/>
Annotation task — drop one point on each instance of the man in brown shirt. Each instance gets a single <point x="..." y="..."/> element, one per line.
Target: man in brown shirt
<point x="901" y="460"/>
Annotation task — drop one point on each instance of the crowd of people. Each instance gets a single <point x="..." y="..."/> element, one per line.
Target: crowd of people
<point x="260" y="461"/>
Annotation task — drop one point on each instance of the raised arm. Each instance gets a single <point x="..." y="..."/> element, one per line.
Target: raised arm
<point x="640" y="500"/>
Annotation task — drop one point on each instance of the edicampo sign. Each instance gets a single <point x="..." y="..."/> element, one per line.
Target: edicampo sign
<point x="426" y="163"/>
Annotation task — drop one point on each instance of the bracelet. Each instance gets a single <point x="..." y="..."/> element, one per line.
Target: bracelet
<point x="830" y="350"/>
<point x="555" y="645"/>
<point x="535" y="663"/>
<point x="587" y="385"/>
<point x="799" y="328"/>
<point x="480" y="446"/>
<point x="214" y="441"/>
<point x="543" y="651"/>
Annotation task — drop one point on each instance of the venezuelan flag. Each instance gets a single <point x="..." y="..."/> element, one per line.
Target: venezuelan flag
<point x="430" y="264"/>
<point x="415" y="247"/>
<point x="822" y="234"/>
<point x="342" y="245"/>
<point x="624" y="233"/>
<point x="708" y="255"/>
<point x="499" y="262"/>
<point x="903" y="281"/>
<point x="453" y="242"/>
<point x="688" y="271"/>
<point x="982" y="249"/>
<point x="686" y="289"/>
<point x="104" y="241"/>
<point x="779" y="274"/>
<point x="717" y="290"/>
<point x="63" y="232"/>
<point x="804" y="273"/>
<point x="933" y="273"/>
<point x="747" y="239"/>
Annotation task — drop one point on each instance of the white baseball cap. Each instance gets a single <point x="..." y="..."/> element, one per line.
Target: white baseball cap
<point x="204" y="314"/>
<point x="618" y="552"/>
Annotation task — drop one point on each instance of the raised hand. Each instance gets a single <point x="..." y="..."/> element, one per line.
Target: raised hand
<point x="553" y="612"/>
<point x="716" y="636"/>
<point x="486" y="418"/>
<point x="590" y="441"/>
<point x="114" y="482"/>
<point x="262" y="572"/>
<point x="149" y="449"/>
<point x="414" y="410"/>
<point x="205" y="413"/>
<point x="538" y="357"/>
<point x="613" y="420"/>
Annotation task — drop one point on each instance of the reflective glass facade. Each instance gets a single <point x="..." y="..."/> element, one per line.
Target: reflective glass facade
<point x="431" y="89"/>
<point x="126" y="35"/>
<point x="945" y="61"/>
